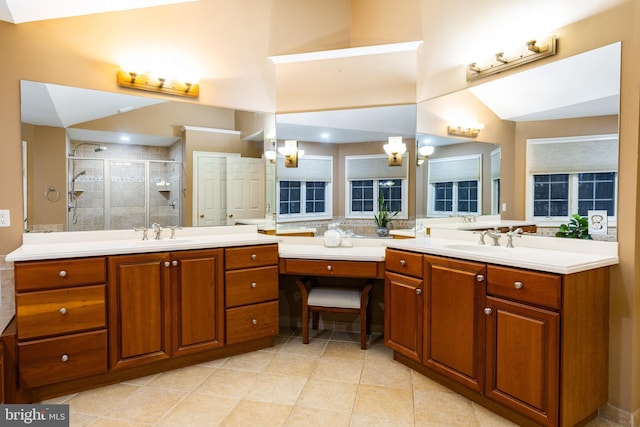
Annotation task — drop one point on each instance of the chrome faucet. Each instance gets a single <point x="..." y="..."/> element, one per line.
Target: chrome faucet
<point x="511" y="233"/>
<point x="495" y="235"/>
<point x="144" y="232"/>
<point x="157" y="230"/>
<point x="482" y="233"/>
<point x="173" y="229"/>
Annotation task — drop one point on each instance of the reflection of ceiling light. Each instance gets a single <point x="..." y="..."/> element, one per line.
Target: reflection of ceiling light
<point x="469" y="131"/>
<point x="388" y="183"/>
<point x="125" y="138"/>
<point x="395" y="148"/>
<point x="426" y="150"/>
<point x="325" y="135"/>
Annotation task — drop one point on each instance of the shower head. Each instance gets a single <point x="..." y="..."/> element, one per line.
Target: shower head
<point x="100" y="148"/>
<point x="77" y="175"/>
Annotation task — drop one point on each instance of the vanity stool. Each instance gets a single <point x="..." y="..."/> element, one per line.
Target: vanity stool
<point x="334" y="299"/>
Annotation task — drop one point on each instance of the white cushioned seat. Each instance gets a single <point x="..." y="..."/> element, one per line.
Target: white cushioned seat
<point x="335" y="297"/>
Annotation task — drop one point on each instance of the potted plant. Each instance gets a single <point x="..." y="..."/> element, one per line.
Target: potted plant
<point x="577" y="228"/>
<point x="383" y="217"/>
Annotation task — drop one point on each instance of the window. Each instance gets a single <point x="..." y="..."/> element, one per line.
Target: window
<point x="305" y="192"/>
<point x="369" y="178"/>
<point x="571" y="175"/>
<point x="454" y="186"/>
<point x="496" y="158"/>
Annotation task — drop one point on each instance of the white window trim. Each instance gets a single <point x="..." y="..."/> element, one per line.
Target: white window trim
<point x="431" y="212"/>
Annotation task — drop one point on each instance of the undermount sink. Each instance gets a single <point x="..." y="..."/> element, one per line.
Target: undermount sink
<point x="468" y="247"/>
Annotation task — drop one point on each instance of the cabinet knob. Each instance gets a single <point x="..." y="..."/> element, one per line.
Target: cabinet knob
<point x="418" y="291"/>
<point x="488" y="311"/>
<point x="403" y="262"/>
<point x="174" y="263"/>
<point x="64" y="357"/>
<point x="62" y="273"/>
<point x="254" y="284"/>
<point x="254" y="256"/>
<point x="329" y="268"/>
<point x="518" y="285"/>
<point x="254" y="321"/>
<point x="167" y="263"/>
<point x="63" y="310"/>
<point x="480" y="278"/>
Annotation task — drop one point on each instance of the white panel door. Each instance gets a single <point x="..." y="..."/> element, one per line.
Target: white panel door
<point x="246" y="189"/>
<point x="211" y="198"/>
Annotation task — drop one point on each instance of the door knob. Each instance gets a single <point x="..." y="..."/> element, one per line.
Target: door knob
<point x="230" y="215"/>
<point x="201" y="215"/>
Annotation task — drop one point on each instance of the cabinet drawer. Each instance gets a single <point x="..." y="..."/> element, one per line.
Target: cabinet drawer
<point x="31" y="276"/>
<point x="46" y="313"/>
<point x="525" y="286"/>
<point x="364" y="269"/>
<point x="250" y="256"/>
<point x="250" y="286"/>
<point x="402" y="262"/>
<point x="54" y="360"/>
<point x="251" y="322"/>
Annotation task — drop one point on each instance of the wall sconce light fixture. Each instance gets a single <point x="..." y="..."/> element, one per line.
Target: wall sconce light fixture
<point x="270" y="150"/>
<point x="471" y="131"/>
<point x="135" y="80"/>
<point x="529" y="52"/>
<point x="424" y="151"/>
<point x="291" y="153"/>
<point x="395" y="148"/>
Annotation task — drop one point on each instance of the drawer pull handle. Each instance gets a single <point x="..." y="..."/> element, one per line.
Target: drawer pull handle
<point x="63" y="310"/>
<point x="254" y="284"/>
<point x="254" y="321"/>
<point x="329" y="268"/>
<point x="418" y="291"/>
<point x="254" y="256"/>
<point x="174" y="263"/>
<point x="167" y="264"/>
<point x="488" y="311"/>
<point x="403" y="262"/>
<point x="479" y="278"/>
<point x="62" y="273"/>
<point x="518" y="285"/>
<point x="64" y="357"/>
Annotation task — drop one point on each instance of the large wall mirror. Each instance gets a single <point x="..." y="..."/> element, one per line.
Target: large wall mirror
<point x="97" y="161"/>
<point x="568" y="109"/>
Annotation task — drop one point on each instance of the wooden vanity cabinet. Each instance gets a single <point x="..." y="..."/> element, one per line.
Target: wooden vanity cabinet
<point x="251" y="293"/>
<point x="453" y="320"/>
<point x="404" y="303"/>
<point x="60" y="320"/>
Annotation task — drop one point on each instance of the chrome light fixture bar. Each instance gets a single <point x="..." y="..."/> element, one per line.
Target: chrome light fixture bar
<point x="531" y="51"/>
<point x="161" y="85"/>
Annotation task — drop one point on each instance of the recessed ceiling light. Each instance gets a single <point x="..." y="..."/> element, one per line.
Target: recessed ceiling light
<point x="325" y="135"/>
<point x="125" y="138"/>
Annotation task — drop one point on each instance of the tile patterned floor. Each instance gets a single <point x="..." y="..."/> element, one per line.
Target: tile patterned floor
<point x="329" y="382"/>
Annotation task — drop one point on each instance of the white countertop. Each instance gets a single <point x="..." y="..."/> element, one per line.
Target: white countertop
<point x="41" y="246"/>
<point x="550" y="254"/>
<point x="313" y="248"/>
<point x="485" y="222"/>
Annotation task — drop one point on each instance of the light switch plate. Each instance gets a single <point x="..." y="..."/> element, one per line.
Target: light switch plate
<point x="4" y="218"/>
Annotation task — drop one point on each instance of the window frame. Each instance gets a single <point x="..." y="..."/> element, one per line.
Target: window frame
<point x="431" y="190"/>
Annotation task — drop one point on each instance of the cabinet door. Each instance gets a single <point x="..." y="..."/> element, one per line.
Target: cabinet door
<point x="139" y="309"/>
<point x="198" y="300"/>
<point x="522" y="358"/>
<point x="403" y="315"/>
<point x="454" y="326"/>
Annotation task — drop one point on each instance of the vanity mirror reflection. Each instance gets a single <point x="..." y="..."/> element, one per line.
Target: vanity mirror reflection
<point x="568" y="107"/>
<point x="96" y="160"/>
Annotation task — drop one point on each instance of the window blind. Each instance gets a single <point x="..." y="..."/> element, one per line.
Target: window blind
<point x="495" y="163"/>
<point x="375" y="167"/>
<point x="455" y="169"/>
<point x="310" y="168"/>
<point x="573" y="156"/>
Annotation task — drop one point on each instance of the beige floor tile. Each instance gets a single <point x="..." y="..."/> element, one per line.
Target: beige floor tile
<point x="378" y="351"/>
<point x="333" y="368"/>
<point x="198" y="410"/>
<point x="255" y="361"/>
<point x="344" y="350"/>
<point x="59" y="399"/>
<point x="263" y="414"/>
<point x="185" y="379"/>
<point x="276" y="388"/>
<point x="387" y="373"/>
<point x="214" y="363"/>
<point x="147" y="405"/>
<point x="315" y="334"/>
<point x="350" y="336"/>
<point x="278" y="342"/>
<point x="423" y="383"/>
<point x="331" y="395"/>
<point x="298" y="365"/>
<point x="361" y="420"/>
<point x="314" y="348"/>
<point x="99" y="400"/>
<point x="107" y="422"/>
<point x="142" y="380"/>
<point x="80" y="420"/>
<point x="433" y="407"/>
<point x="228" y="383"/>
<point x="486" y="418"/>
<point x="312" y="417"/>
<point x="384" y="402"/>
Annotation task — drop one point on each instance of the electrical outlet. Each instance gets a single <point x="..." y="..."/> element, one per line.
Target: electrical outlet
<point x="504" y="207"/>
<point x="4" y="218"/>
